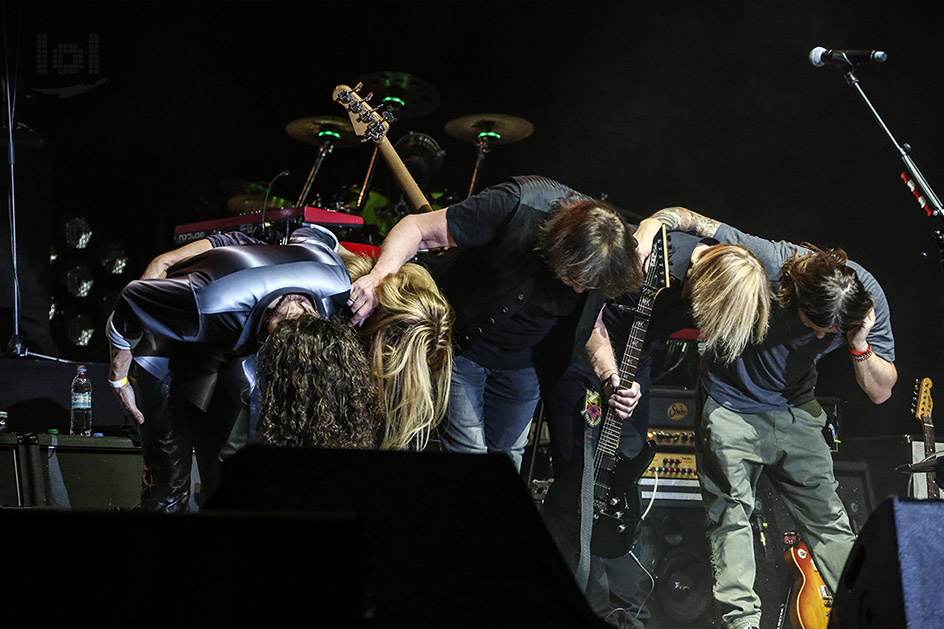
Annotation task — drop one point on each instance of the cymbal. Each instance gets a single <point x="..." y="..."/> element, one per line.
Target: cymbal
<point x="232" y="187"/>
<point x="407" y="96"/>
<point x="497" y="128"/>
<point x="316" y="129"/>
<point x="251" y="203"/>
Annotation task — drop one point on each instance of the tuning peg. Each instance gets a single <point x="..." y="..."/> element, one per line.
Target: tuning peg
<point x="358" y="87"/>
<point x="368" y="97"/>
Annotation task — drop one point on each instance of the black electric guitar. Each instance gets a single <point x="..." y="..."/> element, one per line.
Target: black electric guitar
<point x="922" y="410"/>
<point x="371" y="125"/>
<point x="616" y="509"/>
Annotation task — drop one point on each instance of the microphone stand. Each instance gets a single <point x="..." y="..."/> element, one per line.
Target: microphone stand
<point x="16" y="347"/>
<point x="918" y="185"/>
<point x="916" y="182"/>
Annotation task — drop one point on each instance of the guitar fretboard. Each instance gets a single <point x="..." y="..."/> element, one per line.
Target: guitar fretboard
<point x="929" y="449"/>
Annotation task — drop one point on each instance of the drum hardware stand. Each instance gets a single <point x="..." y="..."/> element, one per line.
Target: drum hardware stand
<point x="326" y="148"/>
<point x="486" y="131"/>
<point x="483" y="150"/>
<point x="392" y="105"/>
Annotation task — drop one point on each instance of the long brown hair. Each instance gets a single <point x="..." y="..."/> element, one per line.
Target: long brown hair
<point x="825" y="288"/>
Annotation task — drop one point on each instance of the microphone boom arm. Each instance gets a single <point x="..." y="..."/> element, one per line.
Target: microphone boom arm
<point x="932" y="204"/>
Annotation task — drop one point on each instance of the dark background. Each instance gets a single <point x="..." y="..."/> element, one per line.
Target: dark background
<point x="713" y="106"/>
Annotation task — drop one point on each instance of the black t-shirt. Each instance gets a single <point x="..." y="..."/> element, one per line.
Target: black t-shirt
<point x="509" y="344"/>
<point x="553" y="305"/>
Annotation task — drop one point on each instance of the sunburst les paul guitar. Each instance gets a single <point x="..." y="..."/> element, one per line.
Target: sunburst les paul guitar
<point x="615" y="498"/>
<point x="371" y="125"/>
<point x="810" y="601"/>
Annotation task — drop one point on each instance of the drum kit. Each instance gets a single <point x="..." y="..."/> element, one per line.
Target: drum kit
<point x="406" y="97"/>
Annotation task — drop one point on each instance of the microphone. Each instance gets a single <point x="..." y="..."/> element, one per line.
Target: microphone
<point x="930" y="465"/>
<point x="819" y="57"/>
<point x="265" y="200"/>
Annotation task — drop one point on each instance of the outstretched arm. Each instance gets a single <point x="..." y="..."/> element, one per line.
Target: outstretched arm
<point x="414" y="232"/>
<point x="674" y="219"/>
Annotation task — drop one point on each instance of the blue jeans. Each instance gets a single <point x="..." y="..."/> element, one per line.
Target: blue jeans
<point x="490" y="410"/>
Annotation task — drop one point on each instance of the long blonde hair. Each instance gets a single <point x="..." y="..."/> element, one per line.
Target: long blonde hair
<point x="409" y="347"/>
<point x="730" y="293"/>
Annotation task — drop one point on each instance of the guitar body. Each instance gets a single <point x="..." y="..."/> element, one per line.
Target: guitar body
<point x="617" y="509"/>
<point x="810" y="601"/>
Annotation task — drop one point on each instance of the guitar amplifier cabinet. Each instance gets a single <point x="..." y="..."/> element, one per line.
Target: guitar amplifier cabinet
<point x="13" y="472"/>
<point x="773" y="579"/>
<point x="72" y="472"/>
<point x="672" y="407"/>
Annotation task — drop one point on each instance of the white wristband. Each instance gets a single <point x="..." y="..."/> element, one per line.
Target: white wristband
<point x="117" y="384"/>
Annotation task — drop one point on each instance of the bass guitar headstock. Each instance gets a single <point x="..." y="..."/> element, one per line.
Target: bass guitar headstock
<point x="368" y="123"/>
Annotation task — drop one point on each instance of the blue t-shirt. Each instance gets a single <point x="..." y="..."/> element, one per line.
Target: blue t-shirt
<point x="781" y="372"/>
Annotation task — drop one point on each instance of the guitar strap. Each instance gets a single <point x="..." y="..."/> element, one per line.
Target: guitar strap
<point x="582" y="573"/>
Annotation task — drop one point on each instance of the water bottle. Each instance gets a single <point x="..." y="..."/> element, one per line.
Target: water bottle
<point x="80" y="422"/>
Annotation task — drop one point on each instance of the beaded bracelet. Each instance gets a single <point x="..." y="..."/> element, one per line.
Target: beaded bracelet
<point x="861" y="356"/>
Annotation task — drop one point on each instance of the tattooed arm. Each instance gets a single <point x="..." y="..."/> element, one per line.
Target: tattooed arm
<point x="674" y="219"/>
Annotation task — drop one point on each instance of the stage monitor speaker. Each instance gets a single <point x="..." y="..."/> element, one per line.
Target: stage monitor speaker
<point x="892" y="576"/>
<point x="451" y="539"/>
<point x="773" y="577"/>
<point x="73" y="472"/>
<point x="673" y="548"/>
<point x="152" y="570"/>
<point x="13" y="488"/>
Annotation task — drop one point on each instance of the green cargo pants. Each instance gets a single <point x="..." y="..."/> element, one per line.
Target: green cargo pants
<point x="732" y="449"/>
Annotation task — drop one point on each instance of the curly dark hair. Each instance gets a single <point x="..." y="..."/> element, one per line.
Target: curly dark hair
<point x="825" y="288"/>
<point x="315" y="387"/>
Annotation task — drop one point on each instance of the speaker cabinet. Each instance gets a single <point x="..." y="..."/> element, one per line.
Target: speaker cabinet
<point x="13" y="472"/>
<point x="672" y="407"/>
<point x="892" y="576"/>
<point x="451" y="539"/>
<point x="674" y="549"/>
<point x="72" y="472"/>
<point x="773" y="579"/>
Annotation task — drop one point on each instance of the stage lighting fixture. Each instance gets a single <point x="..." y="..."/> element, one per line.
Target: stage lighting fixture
<point x="79" y="330"/>
<point x="113" y="258"/>
<point x="79" y="281"/>
<point x="77" y="232"/>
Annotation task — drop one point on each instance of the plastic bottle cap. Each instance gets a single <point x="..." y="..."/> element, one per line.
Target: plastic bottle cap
<point x="98" y="434"/>
<point x="53" y="431"/>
